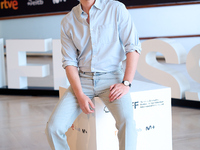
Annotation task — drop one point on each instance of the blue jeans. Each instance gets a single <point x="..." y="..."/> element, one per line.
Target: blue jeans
<point x="93" y="85"/>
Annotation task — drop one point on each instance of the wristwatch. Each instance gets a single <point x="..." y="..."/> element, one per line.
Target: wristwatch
<point x="126" y="83"/>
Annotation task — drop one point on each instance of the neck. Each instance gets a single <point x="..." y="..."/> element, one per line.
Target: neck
<point x="86" y="5"/>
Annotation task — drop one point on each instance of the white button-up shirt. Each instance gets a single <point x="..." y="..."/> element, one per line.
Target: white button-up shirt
<point x="101" y="45"/>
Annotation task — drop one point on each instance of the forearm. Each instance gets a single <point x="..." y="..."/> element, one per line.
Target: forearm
<point x="74" y="80"/>
<point x="131" y="65"/>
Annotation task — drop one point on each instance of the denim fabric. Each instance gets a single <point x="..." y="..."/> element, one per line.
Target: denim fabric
<point x="93" y="85"/>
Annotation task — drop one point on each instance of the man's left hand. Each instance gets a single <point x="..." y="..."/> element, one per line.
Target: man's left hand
<point x="117" y="91"/>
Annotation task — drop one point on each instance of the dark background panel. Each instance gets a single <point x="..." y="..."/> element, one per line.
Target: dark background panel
<point x="49" y="7"/>
<point x="150" y="2"/>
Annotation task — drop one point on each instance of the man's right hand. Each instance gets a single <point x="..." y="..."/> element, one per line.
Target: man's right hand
<point x="84" y="102"/>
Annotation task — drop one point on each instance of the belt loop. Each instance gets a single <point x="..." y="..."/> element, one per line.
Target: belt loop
<point x="82" y="72"/>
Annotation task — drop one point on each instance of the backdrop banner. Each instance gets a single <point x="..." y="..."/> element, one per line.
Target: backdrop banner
<point x="12" y="8"/>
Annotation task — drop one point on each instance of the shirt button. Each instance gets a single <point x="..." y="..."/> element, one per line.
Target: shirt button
<point x="91" y="29"/>
<point x="94" y="56"/>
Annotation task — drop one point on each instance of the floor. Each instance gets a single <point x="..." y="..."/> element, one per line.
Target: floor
<point x="186" y="128"/>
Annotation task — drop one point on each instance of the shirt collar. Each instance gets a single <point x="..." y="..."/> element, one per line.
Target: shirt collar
<point x="98" y="4"/>
<point x="80" y="11"/>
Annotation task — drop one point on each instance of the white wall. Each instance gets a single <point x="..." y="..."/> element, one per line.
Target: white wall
<point x="1" y="31"/>
<point x="168" y="20"/>
<point x="150" y="22"/>
<point x="31" y="28"/>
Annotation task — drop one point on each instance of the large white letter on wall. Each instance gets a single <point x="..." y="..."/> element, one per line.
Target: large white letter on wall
<point x="2" y="65"/>
<point x="193" y="63"/>
<point x="193" y="68"/>
<point x="59" y="75"/>
<point x="151" y="69"/>
<point x="17" y="68"/>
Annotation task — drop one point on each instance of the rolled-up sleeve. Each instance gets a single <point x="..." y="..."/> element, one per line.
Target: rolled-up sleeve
<point x="127" y="31"/>
<point x="68" y="50"/>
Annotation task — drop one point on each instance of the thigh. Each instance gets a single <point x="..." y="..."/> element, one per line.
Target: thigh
<point x="65" y="111"/>
<point x="67" y="108"/>
<point x="121" y="109"/>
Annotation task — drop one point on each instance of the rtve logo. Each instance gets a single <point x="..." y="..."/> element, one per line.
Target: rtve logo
<point x="6" y="4"/>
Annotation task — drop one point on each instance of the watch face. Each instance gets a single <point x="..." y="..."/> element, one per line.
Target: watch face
<point x="126" y="83"/>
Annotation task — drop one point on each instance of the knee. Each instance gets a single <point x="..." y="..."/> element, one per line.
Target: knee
<point x="125" y="122"/>
<point x="52" y="128"/>
<point x="56" y="128"/>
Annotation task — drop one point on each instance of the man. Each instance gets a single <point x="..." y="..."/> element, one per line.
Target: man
<point x="96" y="37"/>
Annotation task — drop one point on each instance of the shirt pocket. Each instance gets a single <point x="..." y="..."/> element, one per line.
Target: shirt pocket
<point x="107" y="34"/>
